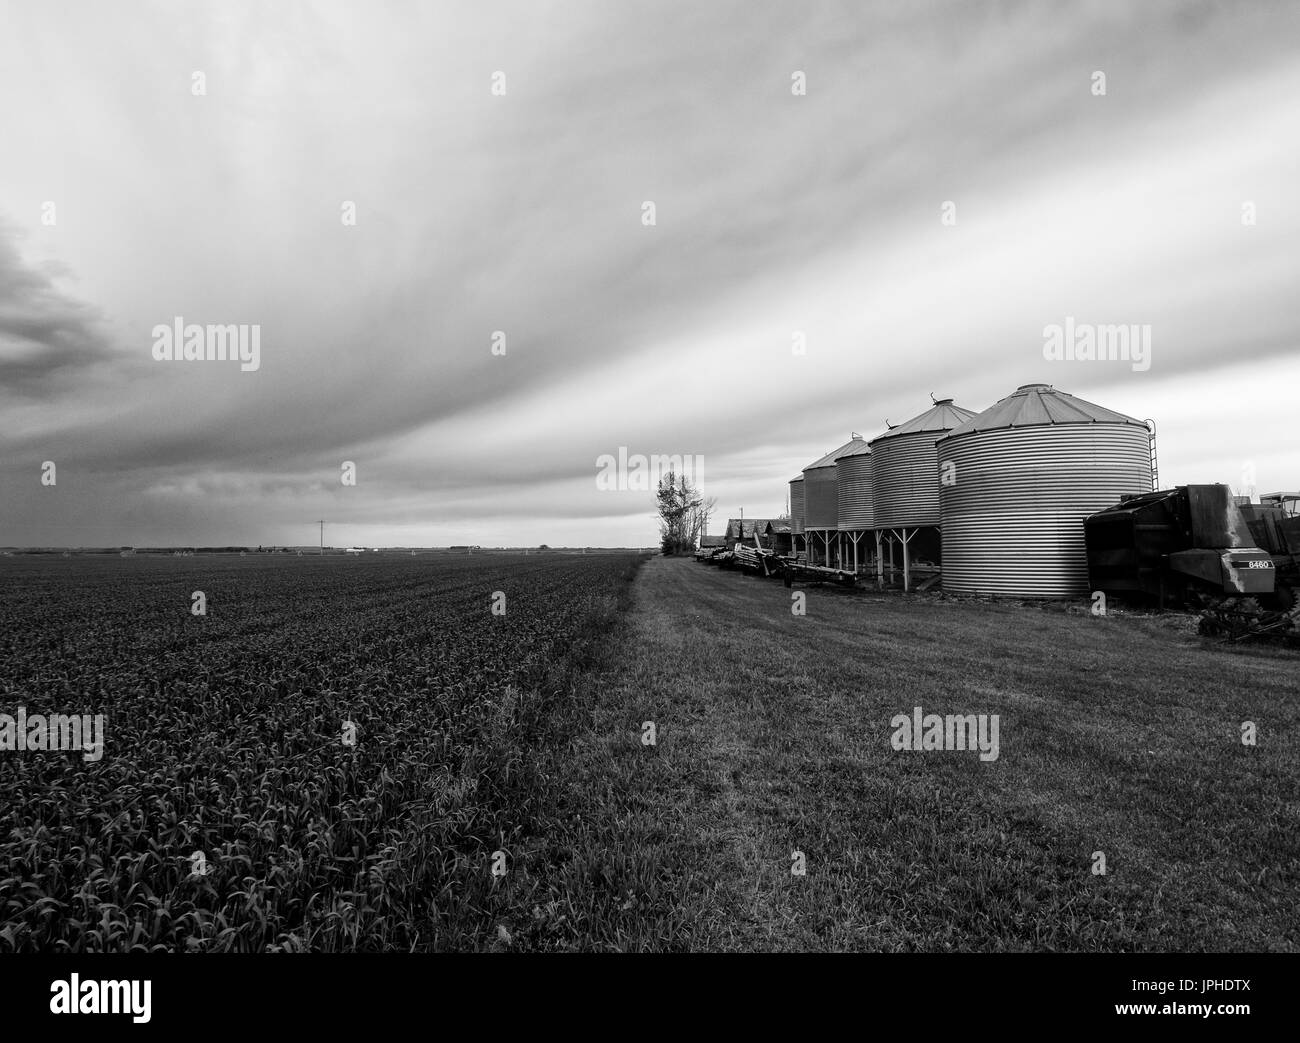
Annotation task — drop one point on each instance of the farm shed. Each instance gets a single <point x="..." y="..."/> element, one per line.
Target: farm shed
<point x="778" y="536"/>
<point x="709" y="545"/>
<point x="743" y="529"/>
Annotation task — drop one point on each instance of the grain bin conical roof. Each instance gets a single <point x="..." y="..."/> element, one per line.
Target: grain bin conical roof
<point x="1041" y="405"/>
<point x="852" y="445"/>
<point x="942" y="416"/>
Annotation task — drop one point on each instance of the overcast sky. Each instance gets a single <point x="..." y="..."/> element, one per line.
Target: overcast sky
<point x="523" y="212"/>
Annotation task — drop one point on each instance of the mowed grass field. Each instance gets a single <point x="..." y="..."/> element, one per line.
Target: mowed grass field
<point x="1118" y="735"/>
<point x="500" y="795"/>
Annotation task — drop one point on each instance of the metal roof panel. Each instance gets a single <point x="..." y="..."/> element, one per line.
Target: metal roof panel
<point x="829" y="459"/>
<point x="1037" y="405"/>
<point x="942" y="416"/>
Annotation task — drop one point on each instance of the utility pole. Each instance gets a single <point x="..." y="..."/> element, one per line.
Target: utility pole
<point x="321" y="523"/>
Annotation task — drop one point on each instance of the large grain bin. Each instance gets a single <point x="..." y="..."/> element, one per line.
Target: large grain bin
<point x="821" y="499"/>
<point x="1016" y="483"/>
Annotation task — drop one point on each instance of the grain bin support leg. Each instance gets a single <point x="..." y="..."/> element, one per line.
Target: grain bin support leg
<point x="880" y="562"/>
<point x="905" y="538"/>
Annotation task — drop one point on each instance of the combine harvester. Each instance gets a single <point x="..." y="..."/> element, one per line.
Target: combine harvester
<point x="1193" y="545"/>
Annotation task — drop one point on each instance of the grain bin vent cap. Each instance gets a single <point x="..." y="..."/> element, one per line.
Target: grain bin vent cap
<point x="854" y="443"/>
<point x="942" y="416"/>
<point x="1041" y="405"/>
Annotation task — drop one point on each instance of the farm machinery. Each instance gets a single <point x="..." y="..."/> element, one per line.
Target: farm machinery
<point x="792" y="569"/>
<point x="758" y="560"/>
<point x="753" y="559"/>
<point x="1194" y="545"/>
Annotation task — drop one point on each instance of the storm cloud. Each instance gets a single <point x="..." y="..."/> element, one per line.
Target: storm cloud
<point x="775" y="214"/>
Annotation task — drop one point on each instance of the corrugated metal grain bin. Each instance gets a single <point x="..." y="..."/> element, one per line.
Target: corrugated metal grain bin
<point x="905" y="467"/>
<point x="821" y="498"/>
<point x="853" y="489"/>
<point x="1024" y="474"/>
<point x="796" y="506"/>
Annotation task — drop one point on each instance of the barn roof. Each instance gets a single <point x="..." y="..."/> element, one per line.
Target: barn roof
<point x="737" y="531"/>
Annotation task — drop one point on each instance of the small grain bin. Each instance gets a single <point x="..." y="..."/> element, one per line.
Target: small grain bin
<point x="796" y="511"/>
<point x="853" y="508"/>
<point x="821" y="501"/>
<point x="1017" y="482"/>
<point x="905" y="485"/>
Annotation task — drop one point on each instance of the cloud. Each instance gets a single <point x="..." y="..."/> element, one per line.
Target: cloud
<point x="46" y="335"/>
<point x="522" y="213"/>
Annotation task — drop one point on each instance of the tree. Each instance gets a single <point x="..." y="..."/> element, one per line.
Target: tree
<point x="679" y="514"/>
<point x="699" y="526"/>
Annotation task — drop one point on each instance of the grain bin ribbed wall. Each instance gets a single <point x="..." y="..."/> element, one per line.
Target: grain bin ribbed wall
<point x="796" y="506"/>
<point x="853" y="490"/>
<point x="821" y="505"/>
<point x="820" y="493"/>
<point x="1027" y="472"/>
<point x="905" y="467"/>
